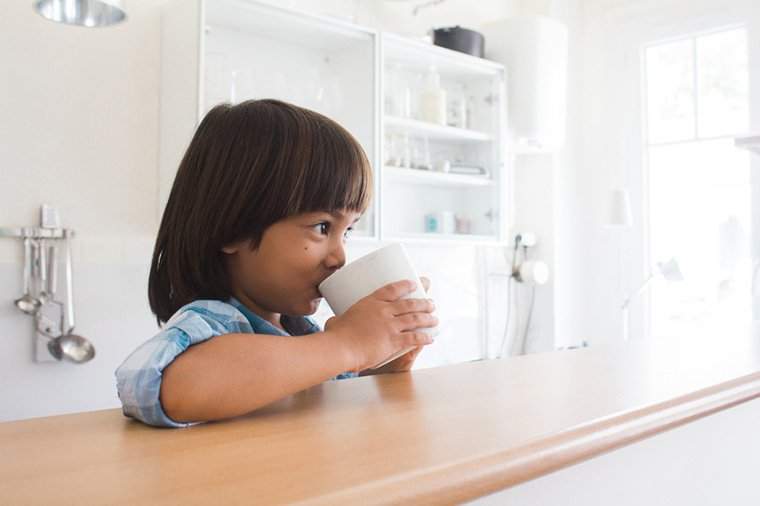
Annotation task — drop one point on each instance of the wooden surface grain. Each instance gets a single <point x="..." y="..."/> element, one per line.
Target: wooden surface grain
<point x="441" y="435"/>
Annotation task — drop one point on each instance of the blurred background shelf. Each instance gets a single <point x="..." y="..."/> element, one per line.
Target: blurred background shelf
<point x="433" y="131"/>
<point x="413" y="53"/>
<point x="433" y="178"/>
<point x="441" y="238"/>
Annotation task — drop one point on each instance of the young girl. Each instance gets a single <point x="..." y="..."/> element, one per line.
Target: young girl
<point x="257" y="217"/>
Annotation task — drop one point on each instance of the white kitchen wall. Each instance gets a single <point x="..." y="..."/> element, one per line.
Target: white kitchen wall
<point x="79" y="129"/>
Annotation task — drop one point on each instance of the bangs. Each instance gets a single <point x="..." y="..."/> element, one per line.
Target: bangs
<point x="335" y="173"/>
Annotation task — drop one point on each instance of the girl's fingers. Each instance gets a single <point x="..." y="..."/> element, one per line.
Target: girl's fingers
<point x="416" y="338"/>
<point x="413" y="321"/>
<point x="404" y="306"/>
<point x="393" y="291"/>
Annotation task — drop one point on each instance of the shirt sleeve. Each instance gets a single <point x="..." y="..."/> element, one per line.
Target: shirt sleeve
<point x="138" y="379"/>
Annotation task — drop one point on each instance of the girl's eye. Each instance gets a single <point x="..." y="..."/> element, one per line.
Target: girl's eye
<point x="324" y="228"/>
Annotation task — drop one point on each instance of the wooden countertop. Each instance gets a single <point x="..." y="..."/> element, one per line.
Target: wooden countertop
<point x="442" y="435"/>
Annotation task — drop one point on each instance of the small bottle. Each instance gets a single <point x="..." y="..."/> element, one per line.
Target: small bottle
<point x="432" y="223"/>
<point x="457" y="107"/>
<point x="405" y="152"/>
<point x="391" y="150"/>
<point x="433" y="99"/>
<point x="391" y="104"/>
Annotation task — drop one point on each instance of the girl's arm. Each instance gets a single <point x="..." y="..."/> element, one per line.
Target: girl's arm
<point x="234" y="374"/>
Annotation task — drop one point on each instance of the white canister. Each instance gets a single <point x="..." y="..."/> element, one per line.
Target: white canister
<point x="448" y="222"/>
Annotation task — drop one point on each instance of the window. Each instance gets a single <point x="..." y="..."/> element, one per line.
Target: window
<point x="698" y="182"/>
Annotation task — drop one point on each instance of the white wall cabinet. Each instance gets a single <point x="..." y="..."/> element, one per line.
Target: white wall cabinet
<point x="376" y="85"/>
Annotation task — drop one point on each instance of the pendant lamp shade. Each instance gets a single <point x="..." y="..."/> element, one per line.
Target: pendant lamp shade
<point x="89" y="13"/>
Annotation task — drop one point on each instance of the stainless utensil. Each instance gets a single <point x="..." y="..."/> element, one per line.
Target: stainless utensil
<point x="27" y="303"/>
<point x="52" y="271"/>
<point x="69" y="286"/>
<point x="65" y="345"/>
<point x="71" y="346"/>
<point x="43" y="264"/>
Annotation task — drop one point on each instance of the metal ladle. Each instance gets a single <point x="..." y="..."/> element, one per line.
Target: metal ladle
<point x="70" y="346"/>
<point x="27" y="303"/>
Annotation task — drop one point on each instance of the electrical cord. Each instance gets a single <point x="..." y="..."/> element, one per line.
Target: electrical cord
<point x="530" y="310"/>
<point x="527" y="321"/>
<point x="505" y="335"/>
<point x="506" y="323"/>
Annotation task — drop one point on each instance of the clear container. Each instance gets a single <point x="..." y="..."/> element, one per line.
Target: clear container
<point x="457" y="108"/>
<point x="433" y="99"/>
<point x="398" y="95"/>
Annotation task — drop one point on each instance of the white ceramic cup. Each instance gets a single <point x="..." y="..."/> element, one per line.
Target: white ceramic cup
<point x="363" y="276"/>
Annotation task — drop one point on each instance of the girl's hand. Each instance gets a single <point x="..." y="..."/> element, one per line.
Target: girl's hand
<point x="404" y="362"/>
<point x="382" y="324"/>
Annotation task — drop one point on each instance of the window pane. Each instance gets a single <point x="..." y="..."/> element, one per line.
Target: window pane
<point x="722" y="83"/>
<point x="700" y="214"/>
<point x="670" y="91"/>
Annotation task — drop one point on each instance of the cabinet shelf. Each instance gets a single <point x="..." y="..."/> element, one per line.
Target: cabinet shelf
<point x="433" y="131"/>
<point x="432" y="178"/>
<point x="438" y="238"/>
<point x="414" y="53"/>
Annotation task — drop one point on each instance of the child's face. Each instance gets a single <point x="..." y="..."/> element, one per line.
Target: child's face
<point x="294" y="256"/>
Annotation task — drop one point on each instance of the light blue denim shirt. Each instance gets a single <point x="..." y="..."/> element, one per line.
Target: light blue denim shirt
<point x="138" y="379"/>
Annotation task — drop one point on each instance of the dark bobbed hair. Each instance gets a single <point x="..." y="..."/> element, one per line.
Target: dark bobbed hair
<point x="248" y="166"/>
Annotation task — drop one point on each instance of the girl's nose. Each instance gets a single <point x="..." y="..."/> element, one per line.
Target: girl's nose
<point x="336" y="257"/>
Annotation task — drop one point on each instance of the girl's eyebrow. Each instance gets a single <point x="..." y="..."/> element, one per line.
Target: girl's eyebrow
<point x="340" y="215"/>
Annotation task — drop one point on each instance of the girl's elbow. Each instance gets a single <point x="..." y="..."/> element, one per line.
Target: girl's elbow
<point x="174" y="404"/>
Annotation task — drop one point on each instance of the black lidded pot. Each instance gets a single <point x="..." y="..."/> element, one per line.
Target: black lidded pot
<point x="460" y="39"/>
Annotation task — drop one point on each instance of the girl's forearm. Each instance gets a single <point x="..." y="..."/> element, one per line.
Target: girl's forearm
<point x="234" y="374"/>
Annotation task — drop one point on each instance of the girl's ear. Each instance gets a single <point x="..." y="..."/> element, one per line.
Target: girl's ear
<point x="232" y="248"/>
